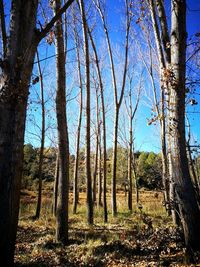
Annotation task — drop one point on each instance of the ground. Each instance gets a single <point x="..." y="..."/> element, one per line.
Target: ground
<point x="144" y="237"/>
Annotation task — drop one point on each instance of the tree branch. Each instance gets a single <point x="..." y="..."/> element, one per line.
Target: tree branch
<point x="49" y="25"/>
<point x="164" y="29"/>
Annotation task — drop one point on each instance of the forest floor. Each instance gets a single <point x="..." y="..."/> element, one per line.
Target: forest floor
<point x="141" y="238"/>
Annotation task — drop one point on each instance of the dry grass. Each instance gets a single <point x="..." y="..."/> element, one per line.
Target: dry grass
<point x="126" y="240"/>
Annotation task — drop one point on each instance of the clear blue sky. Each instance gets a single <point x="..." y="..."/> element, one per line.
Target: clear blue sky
<point x="146" y="137"/>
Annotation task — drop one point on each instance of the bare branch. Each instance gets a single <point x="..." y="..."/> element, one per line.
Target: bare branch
<point x="49" y="25"/>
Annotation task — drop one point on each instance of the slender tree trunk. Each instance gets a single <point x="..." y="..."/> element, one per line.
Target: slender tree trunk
<point x="75" y="185"/>
<point x="55" y="189"/>
<point x="103" y="128"/>
<point x="114" y="165"/>
<point x="63" y="144"/>
<point x="184" y="190"/>
<point x="115" y="91"/>
<point x="136" y="180"/>
<point x="104" y="161"/>
<point x="130" y="159"/>
<point x="95" y="170"/>
<point x="162" y="42"/>
<point x="100" y="170"/>
<point x="165" y="173"/>
<point x="87" y="74"/>
<point x="41" y="156"/>
<point x="97" y="151"/>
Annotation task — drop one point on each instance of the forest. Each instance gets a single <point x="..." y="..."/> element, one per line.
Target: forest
<point x="99" y="133"/>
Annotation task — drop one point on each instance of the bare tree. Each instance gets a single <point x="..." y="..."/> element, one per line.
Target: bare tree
<point x="75" y="185"/>
<point x="87" y="82"/>
<point x="163" y="48"/>
<point x="160" y="109"/>
<point x="174" y="73"/>
<point x="98" y="70"/>
<point x="118" y="101"/>
<point x="131" y="114"/>
<point x="63" y="142"/>
<point x="16" y="69"/>
<point x="41" y="156"/>
<point x="55" y="188"/>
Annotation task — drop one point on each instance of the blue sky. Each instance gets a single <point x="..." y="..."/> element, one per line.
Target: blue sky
<point x="146" y="137"/>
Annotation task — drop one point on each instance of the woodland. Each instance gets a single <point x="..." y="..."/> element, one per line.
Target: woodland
<point x="99" y="133"/>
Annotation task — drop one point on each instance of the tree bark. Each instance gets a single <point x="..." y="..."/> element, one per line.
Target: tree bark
<point x="55" y="189"/>
<point x="16" y="69"/>
<point x="41" y="156"/>
<point x="130" y="158"/>
<point x="87" y="75"/>
<point x="103" y="128"/>
<point x="95" y="169"/>
<point x="184" y="190"/>
<point x="63" y="143"/>
<point x="75" y="185"/>
<point x="115" y="91"/>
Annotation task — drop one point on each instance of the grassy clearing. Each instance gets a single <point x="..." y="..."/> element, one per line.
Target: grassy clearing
<point x="144" y="238"/>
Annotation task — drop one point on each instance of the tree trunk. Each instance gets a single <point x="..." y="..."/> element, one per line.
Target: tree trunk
<point x="103" y="128"/>
<point x="184" y="190"/>
<point x="100" y="170"/>
<point x="41" y="156"/>
<point x="118" y="102"/>
<point x="95" y="168"/>
<point x="87" y="74"/>
<point x="75" y="185"/>
<point x="55" y="189"/>
<point x="63" y="144"/>
<point x="16" y="69"/>
<point x="114" y="165"/>
<point x="130" y="157"/>
<point x="165" y="173"/>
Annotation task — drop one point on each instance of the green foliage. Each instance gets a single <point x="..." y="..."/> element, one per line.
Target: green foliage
<point x="30" y="166"/>
<point x="149" y="170"/>
<point x="148" y="167"/>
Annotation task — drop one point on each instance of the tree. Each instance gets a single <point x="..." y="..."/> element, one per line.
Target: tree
<point x="63" y="141"/>
<point x="16" y="69"/>
<point x="131" y="114"/>
<point x="55" y="188"/>
<point x="87" y="137"/>
<point x="160" y="110"/>
<point x="118" y="101"/>
<point x="173" y="63"/>
<point x="185" y="194"/>
<point x="41" y="156"/>
<point x="98" y="70"/>
<point x="75" y="184"/>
